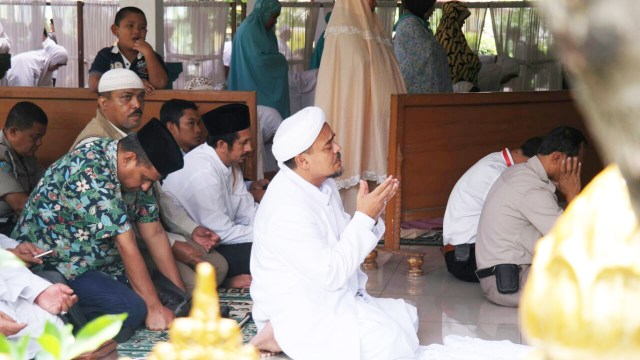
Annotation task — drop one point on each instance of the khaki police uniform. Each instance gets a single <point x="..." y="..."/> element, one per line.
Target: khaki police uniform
<point x="520" y="208"/>
<point x="17" y="174"/>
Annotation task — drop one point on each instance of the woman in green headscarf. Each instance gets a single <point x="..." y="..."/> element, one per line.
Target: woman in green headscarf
<point x="256" y="64"/>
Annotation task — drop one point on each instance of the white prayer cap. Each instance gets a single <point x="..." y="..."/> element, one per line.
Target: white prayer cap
<point x="119" y="79"/>
<point x="297" y="133"/>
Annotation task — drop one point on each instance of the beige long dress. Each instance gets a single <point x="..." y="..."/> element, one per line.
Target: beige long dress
<point x="357" y="76"/>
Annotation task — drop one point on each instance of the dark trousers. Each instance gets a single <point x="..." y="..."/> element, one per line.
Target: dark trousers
<point x="6" y="228"/>
<point x="100" y="294"/>
<point x="238" y="256"/>
<point x="463" y="270"/>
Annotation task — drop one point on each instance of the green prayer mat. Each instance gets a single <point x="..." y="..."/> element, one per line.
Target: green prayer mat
<point x="238" y="300"/>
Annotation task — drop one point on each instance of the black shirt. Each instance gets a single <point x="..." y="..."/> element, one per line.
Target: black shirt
<point x="111" y="58"/>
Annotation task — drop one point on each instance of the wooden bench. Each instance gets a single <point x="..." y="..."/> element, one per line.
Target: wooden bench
<point x="70" y="109"/>
<point x="435" y="138"/>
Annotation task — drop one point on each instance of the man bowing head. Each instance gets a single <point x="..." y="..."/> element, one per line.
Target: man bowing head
<point x="307" y="253"/>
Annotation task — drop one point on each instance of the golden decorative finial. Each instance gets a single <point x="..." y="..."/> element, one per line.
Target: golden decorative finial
<point x="581" y="298"/>
<point x="204" y="335"/>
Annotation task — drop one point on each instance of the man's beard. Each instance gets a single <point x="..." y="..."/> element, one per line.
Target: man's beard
<point x="338" y="172"/>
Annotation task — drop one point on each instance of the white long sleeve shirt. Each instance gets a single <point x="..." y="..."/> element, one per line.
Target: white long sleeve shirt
<point x="214" y="195"/>
<point x="460" y="225"/>
<point x="19" y="288"/>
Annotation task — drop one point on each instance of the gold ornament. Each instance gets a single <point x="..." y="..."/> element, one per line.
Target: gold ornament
<point x="581" y="297"/>
<point x="204" y="335"/>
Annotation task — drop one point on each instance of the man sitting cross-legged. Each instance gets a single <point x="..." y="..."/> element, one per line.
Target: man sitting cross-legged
<point x="211" y="187"/>
<point x="310" y="298"/>
<point x="84" y="208"/>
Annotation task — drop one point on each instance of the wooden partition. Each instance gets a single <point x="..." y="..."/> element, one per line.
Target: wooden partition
<point x="435" y="138"/>
<point x="70" y="109"/>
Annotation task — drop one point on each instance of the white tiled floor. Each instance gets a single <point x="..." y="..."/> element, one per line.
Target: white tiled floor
<point x="446" y="305"/>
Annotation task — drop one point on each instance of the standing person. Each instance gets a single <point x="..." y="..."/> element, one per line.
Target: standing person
<point x="521" y="208"/>
<point x="316" y="57"/>
<point x="461" y="217"/>
<point x="131" y="52"/>
<point x="256" y="63"/>
<point x="5" y="42"/>
<point x="21" y="137"/>
<point x="35" y="68"/>
<point x="422" y="59"/>
<point x="463" y="62"/>
<point x="358" y="74"/>
<point x="283" y="40"/>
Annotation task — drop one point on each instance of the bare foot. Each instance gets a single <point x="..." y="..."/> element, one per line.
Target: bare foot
<point x="239" y="281"/>
<point x="265" y="341"/>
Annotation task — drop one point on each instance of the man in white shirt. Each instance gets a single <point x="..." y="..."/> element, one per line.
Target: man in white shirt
<point x="27" y="302"/>
<point x="465" y="204"/>
<point x="307" y="253"/>
<point x="211" y="189"/>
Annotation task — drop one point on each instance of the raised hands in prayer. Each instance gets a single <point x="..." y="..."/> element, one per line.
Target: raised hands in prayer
<point x="373" y="203"/>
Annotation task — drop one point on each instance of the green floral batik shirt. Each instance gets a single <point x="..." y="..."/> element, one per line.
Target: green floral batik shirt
<point x="78" y="207"/>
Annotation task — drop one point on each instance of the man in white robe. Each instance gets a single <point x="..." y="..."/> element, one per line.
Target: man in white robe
<point x="27" y="302"/>
<point x="308" y="290"/>
<point x="211" y="189"/>
<point x="35" y="68"/>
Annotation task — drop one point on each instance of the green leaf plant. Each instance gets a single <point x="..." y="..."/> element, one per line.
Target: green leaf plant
<point x="60" y="344"/>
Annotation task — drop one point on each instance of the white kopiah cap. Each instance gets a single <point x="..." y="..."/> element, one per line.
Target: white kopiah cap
<point x="118" y="79"/>
<point x="297" y="133"/>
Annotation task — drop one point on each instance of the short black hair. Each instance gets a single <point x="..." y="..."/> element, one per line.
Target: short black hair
<point x="172" y="110"/>
<point x="131" y="143"/>
<point x="127" y="10"/>
<point x="23" y="114"/>
<point x="530" y="147"/>
<point x="564" y="139"/>
<point x="291" y="163"/>
<point x="227" y="138"/>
